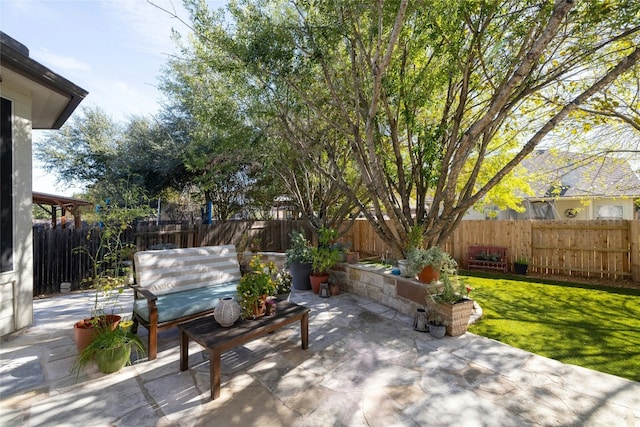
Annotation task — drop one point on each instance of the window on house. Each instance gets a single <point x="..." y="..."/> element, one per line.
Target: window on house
<point x="6" y="187"/>
<point x="609" y="212"/>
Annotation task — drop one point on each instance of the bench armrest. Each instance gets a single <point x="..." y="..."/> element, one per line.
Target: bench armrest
<point x="145" y="293"/>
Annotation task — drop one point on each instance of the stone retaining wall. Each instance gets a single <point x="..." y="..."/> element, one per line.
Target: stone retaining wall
<point x="378" y="284"/>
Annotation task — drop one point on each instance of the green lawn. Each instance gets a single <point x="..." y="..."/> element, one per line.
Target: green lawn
<point x="591" y="326"/>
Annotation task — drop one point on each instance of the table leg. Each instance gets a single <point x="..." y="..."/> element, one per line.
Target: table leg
<point x="214" y="364"/>
<point x="304" y="330"/>
<point x="184" y="351"/>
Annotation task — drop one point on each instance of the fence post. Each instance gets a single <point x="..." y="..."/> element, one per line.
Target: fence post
<point x="634" y="246"/>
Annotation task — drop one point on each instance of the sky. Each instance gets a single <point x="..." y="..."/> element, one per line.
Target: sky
<point x="114" y="49"/>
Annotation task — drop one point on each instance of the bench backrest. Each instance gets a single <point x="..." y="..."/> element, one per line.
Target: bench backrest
<point x="174" y="270"/>
<point x="487" y="250"/>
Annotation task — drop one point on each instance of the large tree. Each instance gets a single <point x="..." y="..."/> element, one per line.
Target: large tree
<point x="435" y="102"/>
<point x="98" y="152"/>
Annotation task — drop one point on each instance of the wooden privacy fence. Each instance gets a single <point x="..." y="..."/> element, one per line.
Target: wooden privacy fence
<point x="597" y="249"/>
<point x="54" y="260"/>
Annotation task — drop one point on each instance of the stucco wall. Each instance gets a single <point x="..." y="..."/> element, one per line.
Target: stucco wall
<point x="16" y="287"/>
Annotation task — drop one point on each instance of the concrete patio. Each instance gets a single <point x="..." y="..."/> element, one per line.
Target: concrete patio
<point x="365" y="366"/>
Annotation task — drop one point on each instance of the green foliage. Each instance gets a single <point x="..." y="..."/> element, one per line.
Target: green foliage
<point x="109" y="267"/>
<point x="412" y="115"/>
<point x="327" y="236"/>
<point x="107" y="338"/>
<point x="300" y="250"/>
<point x="94" y="150"/>
<point x="434" y="256"/>
<point x="254" y="286"/>
<point x="595" y="327"/>
<point x="415" y="238"/>
<point x="323" y="258"/>
<point x="450" y="290"/>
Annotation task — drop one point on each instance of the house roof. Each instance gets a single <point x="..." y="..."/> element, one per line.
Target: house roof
<point x="566" y="174"/>
<point x="54" y="98"/>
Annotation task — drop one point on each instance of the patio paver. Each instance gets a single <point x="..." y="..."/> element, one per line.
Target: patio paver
<point x="365" y="366"/>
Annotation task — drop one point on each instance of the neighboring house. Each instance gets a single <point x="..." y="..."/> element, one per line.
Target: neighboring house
<point x="32" y="97"/>
<point x="576" y="186"/>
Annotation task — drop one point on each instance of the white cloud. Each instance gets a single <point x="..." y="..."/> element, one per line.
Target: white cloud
<point x="60" y="63"/>
<point x="148" y="25"/>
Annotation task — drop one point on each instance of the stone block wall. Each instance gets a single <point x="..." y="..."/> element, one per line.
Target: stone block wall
<point x="378" y="284"/>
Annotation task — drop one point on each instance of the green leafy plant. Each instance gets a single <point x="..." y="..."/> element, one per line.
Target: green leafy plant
<point x="300" y="250"/>
<point x="326" y="236"/>
<point x="522" y="260"/>
<point x="451" y="290"/>
<point x="323" y="258"/>
<point x="415" y="238"/>
<point x="255" y="286"/>
<point x="435" y="257"/>
<point x="108" y="339"/>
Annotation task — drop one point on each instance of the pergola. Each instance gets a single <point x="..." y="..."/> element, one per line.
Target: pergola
<point x="66" y="205"/>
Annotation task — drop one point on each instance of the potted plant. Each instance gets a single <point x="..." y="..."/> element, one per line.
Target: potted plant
<point x="283" y="281"/>
<point x="451" y="304"/>
<point x="254" y="289"/>
<point x="437" y="327"/>
<point x="429" y="263"/>
<point x="521" y="266"/>
<point x="298" y="260"/>
<point x="323" y="258"/>
<point x="110" y="266"/>
<point x="351" y="256"/>
<point x="107" y="291"/>
<point x="110" y="348"/>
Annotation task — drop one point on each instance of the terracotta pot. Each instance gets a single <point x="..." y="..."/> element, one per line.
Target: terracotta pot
<point x="428" y="274"/>
<point x="260" y="308"/>
<point x="334" y="288"/>
<point x="84" y="331"/>
<point x="316" y="280"/>
<point x="353" y="257"/>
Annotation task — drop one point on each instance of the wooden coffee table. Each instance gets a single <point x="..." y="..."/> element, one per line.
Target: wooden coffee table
<point x="216" y="339"/>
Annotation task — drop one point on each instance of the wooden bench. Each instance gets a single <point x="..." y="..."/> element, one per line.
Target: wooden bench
<point x="487" y="258"/>
<point x="175" y="285"/>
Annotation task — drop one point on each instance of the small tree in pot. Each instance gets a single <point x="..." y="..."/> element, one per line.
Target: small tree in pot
<point x="324" y="256"/>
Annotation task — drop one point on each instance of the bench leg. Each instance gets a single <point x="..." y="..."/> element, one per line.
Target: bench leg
<point x="184" y="351"/>
<point x="214" y="366"/>
<point x="304" y="330"/>
<point x="153" y="331"/>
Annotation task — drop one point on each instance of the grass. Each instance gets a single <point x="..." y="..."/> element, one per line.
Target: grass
<point x="592" y="326"/>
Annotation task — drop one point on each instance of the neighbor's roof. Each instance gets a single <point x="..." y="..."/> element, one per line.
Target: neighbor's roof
<point x="566" y="174"/>
<point x="54" y="98"/>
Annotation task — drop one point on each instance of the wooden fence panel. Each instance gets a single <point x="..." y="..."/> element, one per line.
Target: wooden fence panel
<point x="602" y="249"/>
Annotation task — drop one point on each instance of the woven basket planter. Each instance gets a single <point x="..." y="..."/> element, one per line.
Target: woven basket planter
<point x="455" y="316"/>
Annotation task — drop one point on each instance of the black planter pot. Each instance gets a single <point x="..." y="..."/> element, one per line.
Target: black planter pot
<point x="300" y="275"/>
<point x="520" y="268"/>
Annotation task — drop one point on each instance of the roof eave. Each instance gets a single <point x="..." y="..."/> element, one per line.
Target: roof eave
<point x="15" y="56"/>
